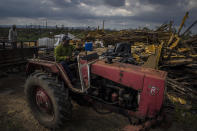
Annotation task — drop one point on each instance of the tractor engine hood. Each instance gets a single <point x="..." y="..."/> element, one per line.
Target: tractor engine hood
<point x="129" y="75"/>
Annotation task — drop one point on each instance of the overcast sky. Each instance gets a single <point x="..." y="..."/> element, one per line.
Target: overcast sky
<point x="116" y="13"/>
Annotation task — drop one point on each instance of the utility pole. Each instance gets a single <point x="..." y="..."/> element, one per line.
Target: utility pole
<point x="170" y="26"/>
<point x="103" y="25"/>
<point x="62" y="26"/>
<point x="43" y="24"/>
<point x="46" y="23"/>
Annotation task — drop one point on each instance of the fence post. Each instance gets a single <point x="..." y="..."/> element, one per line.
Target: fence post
<point x="3" y="45"/>
<point x="21" y="44"/>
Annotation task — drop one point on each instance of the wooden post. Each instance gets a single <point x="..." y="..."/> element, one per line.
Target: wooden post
<point x="36" y="44"/>
<point x="21" y="44"/>
<point x="103" y="25"/>
<point x="3" y="45"/>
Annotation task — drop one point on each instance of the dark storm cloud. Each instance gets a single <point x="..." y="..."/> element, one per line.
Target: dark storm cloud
<point x="116" y="3"/>
<point x="22" y="8"/>
<point x="54" y="9"/>
<point x="43" y="8"/>
<point x="168" y="10"/>
<point x="128" y="11"/>
<point x="74" y="3"/>
<point x="163" y="2"/>
<point x="64" y="3"/>
<point x="113" y="3"/>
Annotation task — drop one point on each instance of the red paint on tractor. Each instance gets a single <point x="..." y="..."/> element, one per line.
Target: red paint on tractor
<point x="152" y="95"/>
<point x="149" y="82"/>
<point x="34" y="63"/>
<point x="43" y="101"/>
<point x="125" y="74"/>
<point x="118" y="74"/>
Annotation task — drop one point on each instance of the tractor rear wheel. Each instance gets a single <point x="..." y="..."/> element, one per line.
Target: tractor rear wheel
<point x="48" y="100"/>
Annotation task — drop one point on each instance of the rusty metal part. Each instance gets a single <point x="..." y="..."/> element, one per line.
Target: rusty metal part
<point x="43" y="101"/>
<point x="66" y="79"/>
<point x="54" y="68"/>
<point x="41" y="63"/>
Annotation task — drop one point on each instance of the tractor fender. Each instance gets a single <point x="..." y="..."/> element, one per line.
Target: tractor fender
<point x="52" y="67"/>
<point x="35" y="64"/>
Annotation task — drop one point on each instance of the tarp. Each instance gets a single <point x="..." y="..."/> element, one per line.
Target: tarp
<point x="53" y="42"/>
<point x="46" y="42"/>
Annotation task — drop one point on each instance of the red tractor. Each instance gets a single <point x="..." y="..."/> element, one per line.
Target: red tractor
<point x="134" y="91"/>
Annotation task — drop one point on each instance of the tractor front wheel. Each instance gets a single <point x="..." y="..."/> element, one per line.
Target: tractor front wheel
<point x="48" y="100"/>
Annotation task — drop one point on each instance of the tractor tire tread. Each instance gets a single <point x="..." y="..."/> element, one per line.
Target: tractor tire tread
<point x="60" y="94"/>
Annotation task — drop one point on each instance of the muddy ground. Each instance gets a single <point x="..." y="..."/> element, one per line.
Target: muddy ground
<point x="16" y="116"/>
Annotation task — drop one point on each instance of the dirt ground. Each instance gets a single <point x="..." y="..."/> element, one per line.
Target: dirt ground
<point x="16" y="116"/>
